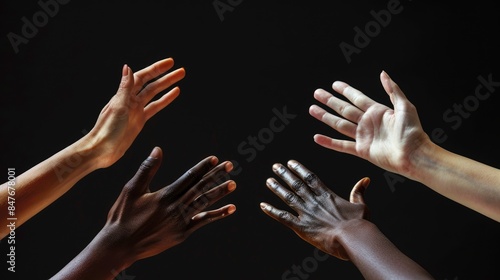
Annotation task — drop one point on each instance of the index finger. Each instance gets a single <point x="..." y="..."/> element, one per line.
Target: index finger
<point x="191" y="177"/>
<point x="311" y="179"/>
<point x="356" y="97"/>
<point x="154" y="70"/>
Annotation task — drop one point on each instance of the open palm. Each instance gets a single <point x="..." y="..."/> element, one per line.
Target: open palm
<point x="384" y="136"/>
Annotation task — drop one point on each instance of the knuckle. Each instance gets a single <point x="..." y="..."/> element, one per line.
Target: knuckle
<point x="147" y="164"/>
<point x="297" y="185"/>
<point x="290" y="198"/>
<point x="283" y="215"/>
<point x="311" y="178"/>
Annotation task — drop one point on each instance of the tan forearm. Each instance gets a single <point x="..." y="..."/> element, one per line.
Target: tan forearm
<point x="466" y="181"/>
<point x="41" y="185"/>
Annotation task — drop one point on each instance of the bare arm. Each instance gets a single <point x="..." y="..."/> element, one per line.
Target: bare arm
<point x="375" y="255"/>
<point x="466" y="181"/>
<point x="117" y="126"/>
<point x="394" y="140"/>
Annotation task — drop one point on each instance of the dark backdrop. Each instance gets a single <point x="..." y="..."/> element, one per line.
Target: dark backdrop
<point x="258" y="56"/>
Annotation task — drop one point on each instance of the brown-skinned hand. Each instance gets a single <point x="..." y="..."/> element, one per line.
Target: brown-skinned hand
<point x="143" y="223"/>
<point x="320" y="212"/>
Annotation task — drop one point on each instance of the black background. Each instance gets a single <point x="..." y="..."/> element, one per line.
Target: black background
<point x="261" y="56"/>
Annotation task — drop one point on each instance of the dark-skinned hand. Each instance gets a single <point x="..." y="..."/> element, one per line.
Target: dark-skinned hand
<point x="321" y="214"/>
<point x="143" y="223"/>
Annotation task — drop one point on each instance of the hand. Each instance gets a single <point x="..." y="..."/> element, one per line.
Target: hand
<point x="384" y="136"/>
<point x="146" y="223"/>
<point x="121" y="120"/>
<point x="321" y="213"/>
<point x="142" y="223"/>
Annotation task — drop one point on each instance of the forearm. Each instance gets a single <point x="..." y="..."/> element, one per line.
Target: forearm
<point x="42" y="184"/>
<point x="466" y="181"/>
<point x="102" y="259"/>
<point x="375" y="256"/>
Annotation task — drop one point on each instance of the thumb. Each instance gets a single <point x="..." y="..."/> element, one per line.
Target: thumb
<point x="127" y="81"/>
<point x="139" y="184"/>
<point x="398" y="98"/>
<point x="358" y="191"/>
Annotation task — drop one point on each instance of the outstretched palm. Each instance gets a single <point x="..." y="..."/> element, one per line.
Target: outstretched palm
<point x="384" y="136"/>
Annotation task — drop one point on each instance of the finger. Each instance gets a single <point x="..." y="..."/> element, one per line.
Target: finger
<point x="294" y="182"/>
<point x="190" y="177"/>
<point x="343" y="146"/>
<point x="207" y="199"/>
<point x="398" y="98"/>
<point x="345" y="109"/>
<point x="290" y="198"/>
<point x="127" y="81"/>
<point x="282" y="216"/>
<point x="139" y="184"/>
<point x="357" y="192"/>
<point x="158" y="105"/>
<point x="153" y="88"/>
<point x="314" y="183"/>
<point x="208" y="217"/>
<point x="154" y="70"/>
<point x="341" y="125"/>
<point x="213" y="178"/>
<point x="357" y="98"/>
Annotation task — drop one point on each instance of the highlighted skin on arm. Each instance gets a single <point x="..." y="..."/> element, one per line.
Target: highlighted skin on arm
<point x="117" y="126"/>
<point x="393" y="139"/>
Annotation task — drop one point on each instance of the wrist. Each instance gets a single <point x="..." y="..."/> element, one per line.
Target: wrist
<point x="88" y="150"/>
<point x="352" y="230"/>
<point x="100" y="259"/>
<point x="426" y="153"/>
<point x="347" y="232"/>
<point x="112" y="249"/>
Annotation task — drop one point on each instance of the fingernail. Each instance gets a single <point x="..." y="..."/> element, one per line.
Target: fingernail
<point x="269" y="182"/>
<point x="214" y="160"/>
<point x="231" y="209"/>
<point x="155" y="153"/>
<point x="292" y="163"/>
<point x="387" y="75"/>
<point x="366" y="181"/>
<point x="264" y="206"/>
<point x="125" y="70"/>
<point x="231" y="186"/>
<point x="229" y="166"/>
<point x="276" y="167"/>
<point x="336" y="85"/>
